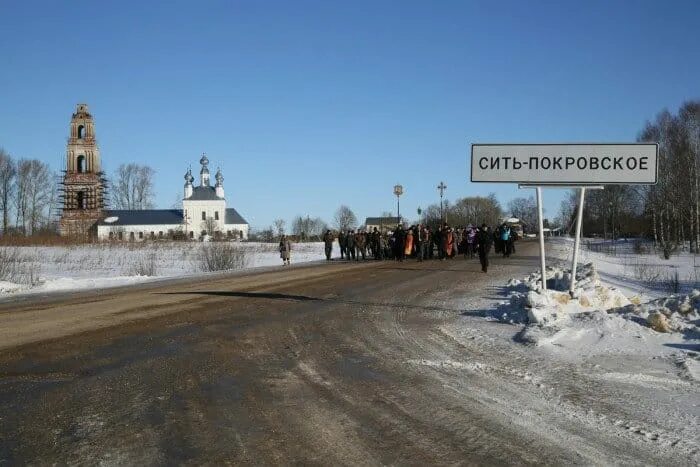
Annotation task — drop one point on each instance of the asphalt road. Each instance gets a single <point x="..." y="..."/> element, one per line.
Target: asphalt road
<point x="326" y="364"/>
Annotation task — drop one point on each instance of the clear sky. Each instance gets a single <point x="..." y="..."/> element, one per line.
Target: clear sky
<point x="309" y="105"/>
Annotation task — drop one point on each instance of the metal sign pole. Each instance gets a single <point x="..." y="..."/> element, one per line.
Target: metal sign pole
<point x="541" y="227"/>
<point x="577" y="241"/>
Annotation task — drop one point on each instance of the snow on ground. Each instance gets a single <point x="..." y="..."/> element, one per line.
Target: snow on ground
<point x="631" y="265"/>
<point x="611" y="315"/>
<point x="44" y="269"/>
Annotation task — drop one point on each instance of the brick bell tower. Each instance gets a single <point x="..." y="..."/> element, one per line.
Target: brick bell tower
<point x="83" y="188"/>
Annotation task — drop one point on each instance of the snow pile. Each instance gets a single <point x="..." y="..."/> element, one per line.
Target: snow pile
<point x="595" y="314"/>
<point x="677" y="313"/>
<point x="530" y="304"/>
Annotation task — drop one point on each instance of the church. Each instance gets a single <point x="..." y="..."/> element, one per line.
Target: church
<point x="85" y="209"/>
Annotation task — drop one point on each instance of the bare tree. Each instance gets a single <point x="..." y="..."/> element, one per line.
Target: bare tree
<point x="8" y="171"/>
<point x="39" y="192"/>
<point x="524" y="209"/>
<point x="280" y="225"/>
<point x="21" y="188"/>
<point x="133" y="187"/>
<point x="344" y="219"/>
<point x="308" y="228"/>
<point x="209" y="226"/>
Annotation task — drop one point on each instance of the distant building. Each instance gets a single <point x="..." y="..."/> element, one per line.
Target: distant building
<point x="383" y="224"/>
<point x="84" y="193"/>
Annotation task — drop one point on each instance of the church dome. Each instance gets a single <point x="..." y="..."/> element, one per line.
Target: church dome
<point x="219" y="176"/>
<point x="204" y="160"/>
<point x="188" y="176"/>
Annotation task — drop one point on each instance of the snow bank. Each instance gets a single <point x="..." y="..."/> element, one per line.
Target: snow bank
<point x="597" y="316"/>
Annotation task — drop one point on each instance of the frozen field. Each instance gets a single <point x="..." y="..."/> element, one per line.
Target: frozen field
<point x="49" y="268"/>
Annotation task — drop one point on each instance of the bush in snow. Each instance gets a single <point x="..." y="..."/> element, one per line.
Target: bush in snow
<point x="145" y="265"/>
<point x="222" y="257"/>
<point x="18" y="268"/>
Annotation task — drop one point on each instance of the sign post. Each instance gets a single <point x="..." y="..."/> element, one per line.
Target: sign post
<point x="583" y="166"/>
<point x="541" y="227"/>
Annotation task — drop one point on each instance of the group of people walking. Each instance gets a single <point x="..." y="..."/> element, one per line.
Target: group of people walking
<point x="419" y="242"/>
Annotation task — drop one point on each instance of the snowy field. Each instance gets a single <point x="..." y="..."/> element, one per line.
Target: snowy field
<point x="642" y="273"/>
<point x="42" y="269"/>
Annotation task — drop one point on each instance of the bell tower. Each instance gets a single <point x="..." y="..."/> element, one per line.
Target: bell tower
<point x="83" y="185"/>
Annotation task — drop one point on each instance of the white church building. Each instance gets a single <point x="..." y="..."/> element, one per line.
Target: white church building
<point x="203" y="213"/>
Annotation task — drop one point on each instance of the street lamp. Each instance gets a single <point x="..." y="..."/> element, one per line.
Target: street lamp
<point x="442" y="187"/>
<point x="419" y="211"/>
<point x="398" y="191"/>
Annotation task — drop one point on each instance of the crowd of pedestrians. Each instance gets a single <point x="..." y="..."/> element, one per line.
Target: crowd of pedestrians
<point x="422" y="243"/>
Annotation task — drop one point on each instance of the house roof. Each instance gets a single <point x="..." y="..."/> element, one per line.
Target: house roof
<point x="382" y="221"/>
<point x="232" y="217"/>
<point x="158" y="217"/>
<point x="142" y="217"/>
<point x="204" y="193"/>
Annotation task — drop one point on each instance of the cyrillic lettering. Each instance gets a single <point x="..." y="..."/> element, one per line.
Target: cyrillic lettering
<point x="534" y="163"/>
<point x="557" y="163"/>
<point x="578" y="163"/>
<point x="617" y="163"/>
<point x="505" y="162"/>
<point x="631" y="163"/>
<point x="643" y="163"/>
<point x="546" y="163"/>
<point x="495" y="163"/>
<point x="517" y="165"/>
<point x="593" y="163"/>
<point x="569" y="162"/>
<point x="602" y="163"/>
<point x="481" y="166"/>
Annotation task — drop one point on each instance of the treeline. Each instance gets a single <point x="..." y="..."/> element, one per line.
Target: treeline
<point x="470" y="210"/>
<point x="28" y="195"/>
<point x="668" y="212"/>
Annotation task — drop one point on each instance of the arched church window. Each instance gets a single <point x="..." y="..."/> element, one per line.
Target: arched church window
<point x="81" y="200"/>
<point x="81" y="132"/>
<point x="81" y="164"/>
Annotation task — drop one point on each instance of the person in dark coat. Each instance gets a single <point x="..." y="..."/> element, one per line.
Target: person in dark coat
<point x="350" y="245"/>
<point x="328" y="241"/>
<point x="399" y="243"/>
<point x="483" y="241"/>
<point x="342" y="244"/>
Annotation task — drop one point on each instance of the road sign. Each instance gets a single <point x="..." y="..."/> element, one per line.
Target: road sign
<point x="565" y="164"/>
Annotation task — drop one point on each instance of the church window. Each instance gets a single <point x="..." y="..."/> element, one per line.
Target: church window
<point x="191" y="233"/>
<point x="111" y="235"/>
<point x="131" y="236"/>
<point x="81" y="132"/>
<point x="140" y="235"/>
<point x="120" y="236"/>
<point x="153" y="235"/>
<point x="204" y="216"/>
<point x="160" y="234"/>
<point x="216" y="215"/>
<point x="81" y="164"/>
<point x="81" y="200"/>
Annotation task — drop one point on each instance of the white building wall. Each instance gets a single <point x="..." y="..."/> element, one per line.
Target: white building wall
<point x="140" y="232"/>
<point x="193" y="211"/>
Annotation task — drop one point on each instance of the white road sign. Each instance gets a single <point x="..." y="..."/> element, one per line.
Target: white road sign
<point x="565" y="164"/>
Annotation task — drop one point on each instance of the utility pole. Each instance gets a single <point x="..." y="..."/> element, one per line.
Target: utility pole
<point x="398" y="191"/>
<point x="442" y="187"/>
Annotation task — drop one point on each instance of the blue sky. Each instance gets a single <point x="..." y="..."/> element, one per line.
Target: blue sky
<point x="309" y="105"/>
